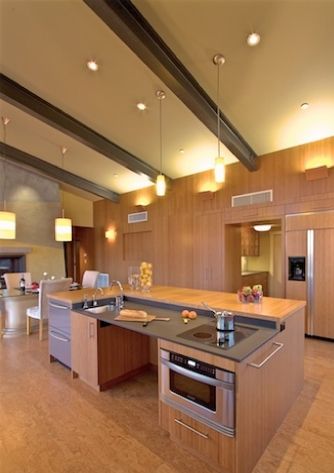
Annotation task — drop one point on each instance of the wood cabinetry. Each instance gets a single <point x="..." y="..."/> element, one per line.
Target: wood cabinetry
<point x="198" y="438"/>
<point x="267" y="384"/>
<point x="103" y="354"/>
<point x="312" y="236"/>
<point x="256" y="278"/>
<point x="250" y="241"/>
<point x="269" y="381"/>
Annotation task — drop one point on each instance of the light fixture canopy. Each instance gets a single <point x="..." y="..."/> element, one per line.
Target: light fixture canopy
<point x="262" y="228"/>
<point x="63" y="229"/>
<point x="219" y="166"/>
<point x="160" y="185"/>
<point x="7" y="219"/>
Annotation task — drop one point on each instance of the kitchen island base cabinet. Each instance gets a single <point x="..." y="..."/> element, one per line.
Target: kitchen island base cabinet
<point x="103" y="354"/>
<point x="267" y="383"/>
<point x="206" y="443"/>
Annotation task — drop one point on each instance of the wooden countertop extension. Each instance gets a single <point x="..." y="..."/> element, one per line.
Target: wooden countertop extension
<point x="271" y="308"/>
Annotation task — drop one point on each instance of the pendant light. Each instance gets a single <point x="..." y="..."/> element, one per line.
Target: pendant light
<point x="219" y="60"/>
<point x="7" y="219"/>
<point x="63" y="226"/>
<point x="160" y="185"/>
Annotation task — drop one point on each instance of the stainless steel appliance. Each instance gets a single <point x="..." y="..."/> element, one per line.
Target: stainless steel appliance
<point x="224" y="319"/>
<point x="210" y="335"/>
<point x="202" y="391"/>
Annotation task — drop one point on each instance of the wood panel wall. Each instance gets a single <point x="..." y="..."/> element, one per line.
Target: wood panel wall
<point x="192" y="236"/>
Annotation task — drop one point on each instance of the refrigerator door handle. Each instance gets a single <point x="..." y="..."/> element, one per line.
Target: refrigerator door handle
<point x="310" y="281"/>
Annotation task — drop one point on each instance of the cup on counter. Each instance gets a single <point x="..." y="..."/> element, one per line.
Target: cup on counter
<point x="133" y="277"/>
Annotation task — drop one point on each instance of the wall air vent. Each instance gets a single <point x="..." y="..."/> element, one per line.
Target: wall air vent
<point x="138" y="217"/>
<point x="253" y="198"/>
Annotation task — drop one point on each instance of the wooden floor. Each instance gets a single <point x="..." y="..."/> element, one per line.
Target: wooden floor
<point x="51" y="423"/>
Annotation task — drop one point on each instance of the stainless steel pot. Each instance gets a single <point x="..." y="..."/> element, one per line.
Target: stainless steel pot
<point x="224" y="319"/>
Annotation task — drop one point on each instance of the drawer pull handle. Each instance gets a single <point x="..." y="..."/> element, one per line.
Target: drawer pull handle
<point x="56" y="306"/>
<point x="205" y="436"/>
<point x="279" y="346"/>
<point x="57" y="337"/>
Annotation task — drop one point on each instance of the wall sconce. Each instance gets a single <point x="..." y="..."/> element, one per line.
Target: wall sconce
<point x="111" y="234"/>
<point x="206" y="195"/>
<point x="314" y="174"/>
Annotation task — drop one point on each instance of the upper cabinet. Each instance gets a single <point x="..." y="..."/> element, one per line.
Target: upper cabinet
<point x="250" y="243"/>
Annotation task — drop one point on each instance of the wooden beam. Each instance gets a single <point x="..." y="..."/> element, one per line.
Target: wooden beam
<point x="17" y="156"/>
<point x="123" y="18"/>
<point x="14" y="93"/>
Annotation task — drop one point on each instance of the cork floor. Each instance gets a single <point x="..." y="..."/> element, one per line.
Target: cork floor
<point x="53" y="424"/>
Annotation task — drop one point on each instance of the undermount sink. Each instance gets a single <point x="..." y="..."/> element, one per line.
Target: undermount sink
<point x="97" y="310"/>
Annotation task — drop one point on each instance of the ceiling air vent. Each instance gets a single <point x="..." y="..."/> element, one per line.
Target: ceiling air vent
<point x="253" y="198"/>
<point x="138" y="217"/>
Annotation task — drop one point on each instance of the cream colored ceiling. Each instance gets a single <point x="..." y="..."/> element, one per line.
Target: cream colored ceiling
<point x="45" y="44"/>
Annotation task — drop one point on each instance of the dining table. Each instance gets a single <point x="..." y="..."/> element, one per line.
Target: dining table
<point x="13" y="306"/>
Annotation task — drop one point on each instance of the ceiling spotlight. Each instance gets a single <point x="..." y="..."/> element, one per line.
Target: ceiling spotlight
<point x="141" y="106"/>
<point x="262" y="228"/>
<point x="253" y="39"/>
<point x="92" y="65"/>
<point x="181" y="151"/>
<point x="304" y="106"/>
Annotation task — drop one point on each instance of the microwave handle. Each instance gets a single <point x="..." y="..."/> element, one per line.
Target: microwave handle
<point x="197" y="376"/>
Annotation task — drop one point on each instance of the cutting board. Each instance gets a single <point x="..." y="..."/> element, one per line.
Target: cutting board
<point x="129" y="315"/>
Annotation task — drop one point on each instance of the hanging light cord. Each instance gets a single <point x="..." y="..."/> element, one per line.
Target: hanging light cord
<point x="218" y="111"/>
<point x="63" y="151"/>
<point x="160" y="109"/>
<point x="5" y="122"/>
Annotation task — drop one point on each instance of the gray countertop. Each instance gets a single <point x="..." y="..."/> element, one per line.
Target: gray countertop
<point x="170" y="330"/>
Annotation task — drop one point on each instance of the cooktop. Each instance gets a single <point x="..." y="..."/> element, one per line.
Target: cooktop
<point x="209" y="335"/>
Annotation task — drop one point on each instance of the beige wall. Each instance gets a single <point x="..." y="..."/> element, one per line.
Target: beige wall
<point x="80" y="210"/>
<point x="261" y="262"/>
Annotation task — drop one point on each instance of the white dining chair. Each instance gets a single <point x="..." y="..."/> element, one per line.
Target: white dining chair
<point x="40" y="311"/>
<point x="89" y="278"/>
<point x="12" y="280"/>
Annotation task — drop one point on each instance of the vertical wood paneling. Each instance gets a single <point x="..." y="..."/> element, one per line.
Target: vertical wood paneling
<point x="181" y="243"/>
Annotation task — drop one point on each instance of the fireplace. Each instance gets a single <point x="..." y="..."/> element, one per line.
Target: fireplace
<point x="12" y="260"/>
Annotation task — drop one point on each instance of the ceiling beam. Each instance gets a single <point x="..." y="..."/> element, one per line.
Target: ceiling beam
<point x="123" y="18"/>
<point x="17" y="156"/>
<point x="17" y="95"/>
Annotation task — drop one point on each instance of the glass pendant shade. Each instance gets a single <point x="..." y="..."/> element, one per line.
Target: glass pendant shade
<point x="160" y="185"/>
<point x="7" y="225"/>
<point x="63" y="229"/>
<point x="219" y="170"/>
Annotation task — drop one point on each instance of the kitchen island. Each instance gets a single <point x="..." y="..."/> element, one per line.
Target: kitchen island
<point x="267" y="367"/>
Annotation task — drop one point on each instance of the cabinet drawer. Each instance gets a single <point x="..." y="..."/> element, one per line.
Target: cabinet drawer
<point x="60" y="347"/>
<point x="59" y="318"/>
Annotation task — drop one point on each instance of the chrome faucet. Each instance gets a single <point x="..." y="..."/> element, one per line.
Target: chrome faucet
<point x="119" y="300"/>
<point x="98" y="289"/>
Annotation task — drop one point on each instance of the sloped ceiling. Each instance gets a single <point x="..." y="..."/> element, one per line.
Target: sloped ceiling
<point x="45" y="46"/>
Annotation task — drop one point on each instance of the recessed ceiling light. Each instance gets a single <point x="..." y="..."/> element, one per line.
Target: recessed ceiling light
<point x="92" y="65"/>
<point x="253" y="39"/>
<point x="115" y="175"/>
<point x="181" y="151"/>
<point x="141" y="106"/>
<point x="304" y="106"/>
